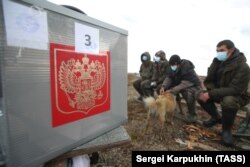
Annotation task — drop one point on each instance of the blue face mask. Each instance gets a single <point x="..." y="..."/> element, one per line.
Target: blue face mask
<point x="174" y="67"/>
<point x="157" y="59"/>
<point x="221" y="56"/>
<point x="144" y="58"/>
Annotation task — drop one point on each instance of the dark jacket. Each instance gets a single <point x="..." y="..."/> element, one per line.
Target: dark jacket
<point x="147" y="68"/>
<point x="229" y="78"/>
<point x="184" y="77"/>
<point x="160" y="71"/>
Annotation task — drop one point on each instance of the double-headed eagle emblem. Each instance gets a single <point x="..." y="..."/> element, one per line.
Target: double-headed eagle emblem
<point x="81" y="81"/>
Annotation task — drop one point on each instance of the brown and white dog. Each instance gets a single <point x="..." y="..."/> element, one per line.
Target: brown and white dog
<point x="161" y="107"/>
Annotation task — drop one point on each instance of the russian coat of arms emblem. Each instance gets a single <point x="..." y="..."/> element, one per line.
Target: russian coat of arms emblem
<point x="80" y="84"/>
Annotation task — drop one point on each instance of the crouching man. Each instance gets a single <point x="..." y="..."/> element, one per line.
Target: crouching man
<point x="227" y="83"/>
<point x="160" y="70"/>
<point x="182" y="78"/>
<point x="142" y="85"/>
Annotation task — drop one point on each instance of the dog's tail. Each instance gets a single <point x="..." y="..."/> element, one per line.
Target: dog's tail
<point x="149" y="102"/>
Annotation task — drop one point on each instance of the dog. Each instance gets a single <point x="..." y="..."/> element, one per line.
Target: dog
<point x="161" y="107"/>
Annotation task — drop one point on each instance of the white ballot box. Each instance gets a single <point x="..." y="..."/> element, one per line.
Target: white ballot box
<point x="63" y="80"/>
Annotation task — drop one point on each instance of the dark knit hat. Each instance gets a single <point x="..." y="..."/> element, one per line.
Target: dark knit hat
<point x="174" y="59"/>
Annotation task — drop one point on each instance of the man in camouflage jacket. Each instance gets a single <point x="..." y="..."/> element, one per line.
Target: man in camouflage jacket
<point x="160" y="70"/>
<point x="142" y="85"/>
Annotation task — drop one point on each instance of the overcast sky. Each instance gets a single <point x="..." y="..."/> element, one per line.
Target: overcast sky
<point x="189" y="28"/>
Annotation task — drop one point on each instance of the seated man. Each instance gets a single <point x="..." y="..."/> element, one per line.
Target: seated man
<point x="181" y="78"/>
<point x="226" y="82"/>
<point x="160" y="70"/>
<point x="142" y="85"/>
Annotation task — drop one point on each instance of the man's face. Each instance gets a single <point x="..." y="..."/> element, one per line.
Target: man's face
<point x="224" y="48"/>
<point x="157" y="58"/>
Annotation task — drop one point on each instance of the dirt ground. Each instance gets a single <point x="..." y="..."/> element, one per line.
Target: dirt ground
<point x="152" y="140"/>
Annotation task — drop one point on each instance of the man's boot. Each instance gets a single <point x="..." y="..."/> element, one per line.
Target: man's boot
<point x="211" y="109"/>
<point x="228" y="117"/>
<point x="137" y="86"/>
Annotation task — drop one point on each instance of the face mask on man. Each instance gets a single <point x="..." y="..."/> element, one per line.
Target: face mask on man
<point x="157" y="59"/>
<point x="174" y="67"/>
<point x="221" y="56"/>
<point x="144" y="58"/>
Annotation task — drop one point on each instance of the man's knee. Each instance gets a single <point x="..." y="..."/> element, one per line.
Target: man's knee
<point x="145" y="84"/>
<point x="137" y="83"/>
<point x="230" y="102"/>
<point x="188" y="94"/>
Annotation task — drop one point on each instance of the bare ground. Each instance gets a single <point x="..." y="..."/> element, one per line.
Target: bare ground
<point x="152" y="140"/>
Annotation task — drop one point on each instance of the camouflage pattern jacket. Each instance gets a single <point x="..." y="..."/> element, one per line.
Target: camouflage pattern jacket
<point x="160" y="71"/>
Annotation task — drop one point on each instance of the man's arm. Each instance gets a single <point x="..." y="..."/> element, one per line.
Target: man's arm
<point x="237" y="86"/>
<point x="183" y="85"/>
<point x="166" y="83"/>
